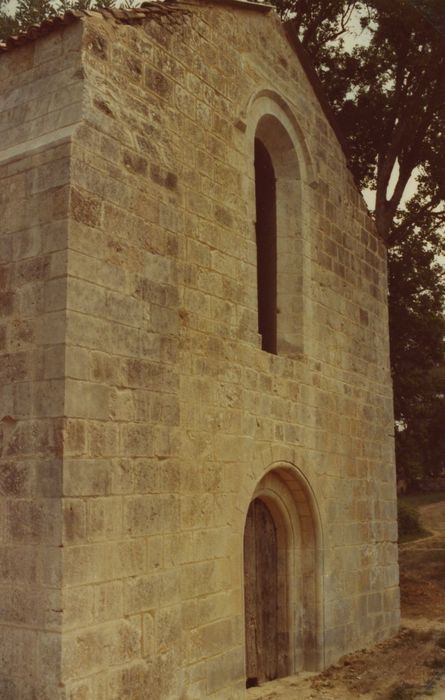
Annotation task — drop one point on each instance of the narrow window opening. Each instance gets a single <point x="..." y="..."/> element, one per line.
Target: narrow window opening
<point x="266" y="239"/>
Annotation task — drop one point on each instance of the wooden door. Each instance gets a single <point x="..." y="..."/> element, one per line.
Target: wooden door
<point x="261" y="594"/>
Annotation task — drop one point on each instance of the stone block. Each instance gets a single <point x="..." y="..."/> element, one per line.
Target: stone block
<point x="87" y="400"/>
<point x="225" y="670"/>
<point x="85" y="208"/>
<point x="108" y="601"/>
<point x="104" y="518"/>
<point x="33" y="521"/>
<point x="88" y="563"/>
<point x="141" y="593"/>
<point x="74" y="520"/>
<point x="78" y="606"/>
<point x="102" y="439"/>
<point x="168" y="630"/>
<point x="130" y="557"/>
<point x="143" y="515"/>
<point x="87" y="477"/>
<point x="80" y="691"/>
<point x="209" y="640"/>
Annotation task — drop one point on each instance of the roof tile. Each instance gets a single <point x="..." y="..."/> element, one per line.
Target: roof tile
<point x="127" y="15"/>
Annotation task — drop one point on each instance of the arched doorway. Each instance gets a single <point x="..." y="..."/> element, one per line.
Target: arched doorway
<point x="282" y="578"/>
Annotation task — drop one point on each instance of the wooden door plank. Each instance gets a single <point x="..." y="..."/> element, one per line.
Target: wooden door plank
<point x="250" y="605"/>
<point x="266" y="593"/>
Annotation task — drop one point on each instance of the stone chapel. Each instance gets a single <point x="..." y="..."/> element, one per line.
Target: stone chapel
<point x="197" y="467"/>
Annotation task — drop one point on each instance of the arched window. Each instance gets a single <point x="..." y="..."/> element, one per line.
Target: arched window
<point x="278" y="236"/>
<point x="266" y="241"/>
<point x="278" y="212"/>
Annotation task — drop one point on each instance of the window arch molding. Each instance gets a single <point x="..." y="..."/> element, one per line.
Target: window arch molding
<point x="265" y="101"/>
<point x="268" y="119"/>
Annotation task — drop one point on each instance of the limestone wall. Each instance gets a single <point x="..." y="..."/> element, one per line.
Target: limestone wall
<point x="186" y="412"/>
<point x="173" y="413"/>
<point x="39" y="103"/>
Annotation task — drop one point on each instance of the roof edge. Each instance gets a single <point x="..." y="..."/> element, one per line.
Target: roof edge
<point x="317" y="87"/>
<point x="127" y="16"/>
<point x="241" y="4"/>
<point x="320" y="94"/>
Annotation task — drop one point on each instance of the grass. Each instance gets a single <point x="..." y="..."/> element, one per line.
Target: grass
<point x="410" y="527"/>
<point x="422" y="499"/>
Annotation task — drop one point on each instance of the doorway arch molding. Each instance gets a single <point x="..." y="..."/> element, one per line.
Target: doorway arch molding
<point x="289" y="497"/>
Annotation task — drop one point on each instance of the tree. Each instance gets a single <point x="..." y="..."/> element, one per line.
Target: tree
<point x="8" y="25"/>
<point x="417" y="331"/>
<point x="388" y="93"/>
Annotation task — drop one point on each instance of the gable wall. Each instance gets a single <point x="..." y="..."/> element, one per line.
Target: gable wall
<point x="174" y="412"/>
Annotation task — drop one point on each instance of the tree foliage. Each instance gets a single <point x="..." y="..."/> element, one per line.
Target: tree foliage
<point x="417" y="330"/>
<point x="387" y="89"/>
<point x="29" y="12"/>
<point x="382" y="65"/>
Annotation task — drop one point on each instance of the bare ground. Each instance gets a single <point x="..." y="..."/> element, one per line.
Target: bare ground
<point x="409" y="665"/>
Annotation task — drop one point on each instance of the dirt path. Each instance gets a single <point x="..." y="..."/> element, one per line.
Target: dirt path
<point x="411" y="664"/>
<point x="422" y="569"/>
<point x="433" y="520"/>
<point x="433" y="517"/>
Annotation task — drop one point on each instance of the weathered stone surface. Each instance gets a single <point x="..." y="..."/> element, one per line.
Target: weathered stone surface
<point x="138" y="414"/>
